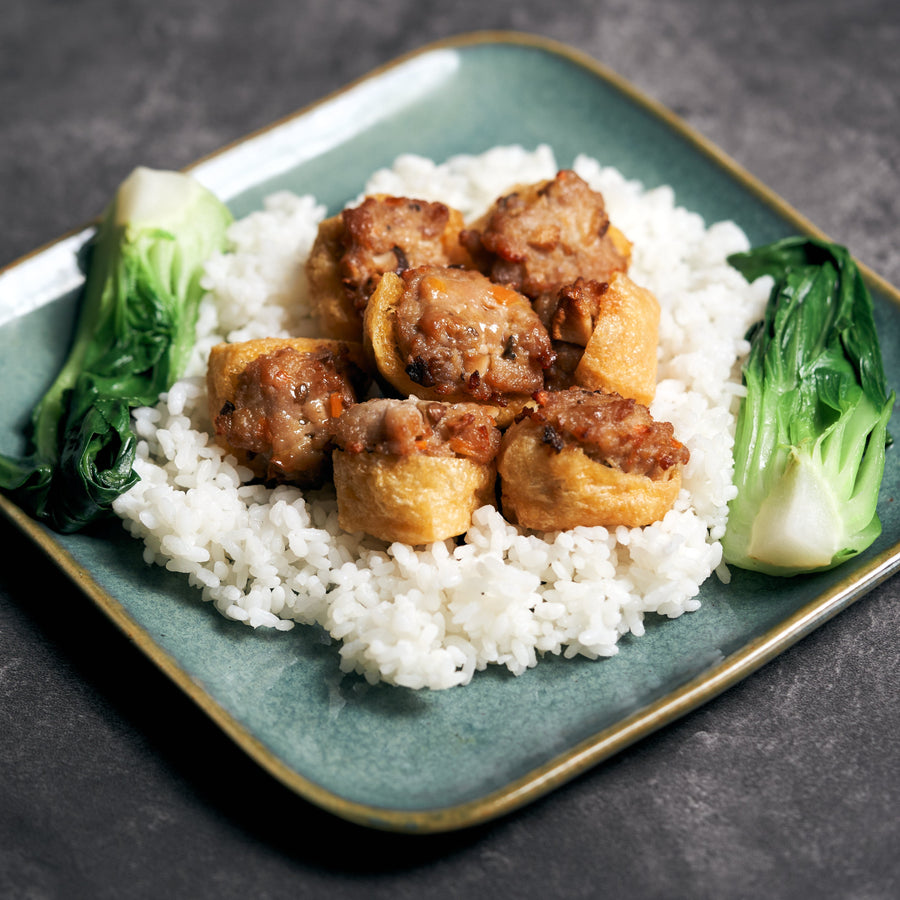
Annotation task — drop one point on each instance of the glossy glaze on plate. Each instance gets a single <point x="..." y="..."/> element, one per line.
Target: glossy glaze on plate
<point x="426" y="761"/>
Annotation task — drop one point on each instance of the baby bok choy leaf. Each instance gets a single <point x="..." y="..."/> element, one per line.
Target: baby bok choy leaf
<point x="812" y="429"/>
<point x="134" y="334"/>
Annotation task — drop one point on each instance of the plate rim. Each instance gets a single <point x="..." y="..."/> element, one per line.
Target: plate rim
<point x="613" y="739"/>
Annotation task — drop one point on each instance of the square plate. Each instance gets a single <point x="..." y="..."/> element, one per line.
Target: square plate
<point x="430" y="761"/>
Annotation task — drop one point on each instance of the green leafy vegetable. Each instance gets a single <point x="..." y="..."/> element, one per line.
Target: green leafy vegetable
<point x="135" y="330"/>
<point x="812" y="429"/>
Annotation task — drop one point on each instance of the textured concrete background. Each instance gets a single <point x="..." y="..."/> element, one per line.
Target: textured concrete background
<point x="112" y="785"/>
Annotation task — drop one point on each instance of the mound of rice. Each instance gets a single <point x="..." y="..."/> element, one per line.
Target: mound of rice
<point x="431" y="617"/>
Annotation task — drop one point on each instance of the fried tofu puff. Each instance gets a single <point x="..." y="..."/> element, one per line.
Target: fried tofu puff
<point x="453" y="335"/>
<point x="540" y="237"/>
<point x="588" y="458"/>
<point x="617" y="324"/>
<point x="413" y="470"/>
<point x="355" y="248"/>
<point x="274" y="403"/>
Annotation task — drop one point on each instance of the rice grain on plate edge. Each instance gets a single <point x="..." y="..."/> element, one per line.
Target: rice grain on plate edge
<point x="432" y="616"/>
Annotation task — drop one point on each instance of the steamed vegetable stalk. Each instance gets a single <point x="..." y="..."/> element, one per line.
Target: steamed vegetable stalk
<point x="135" y="330"/>
<point x="812" y="429"/>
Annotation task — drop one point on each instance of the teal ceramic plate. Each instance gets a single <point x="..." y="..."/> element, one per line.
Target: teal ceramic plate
<point x="422" y="761"/>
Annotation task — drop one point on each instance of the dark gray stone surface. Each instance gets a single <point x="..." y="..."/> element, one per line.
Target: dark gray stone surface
<point x="112" y="784"/>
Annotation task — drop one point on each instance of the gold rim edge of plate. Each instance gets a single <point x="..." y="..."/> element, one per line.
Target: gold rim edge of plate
<point x="605" y="743"/>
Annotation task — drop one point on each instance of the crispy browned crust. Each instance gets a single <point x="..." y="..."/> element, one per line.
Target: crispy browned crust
<point x="332" y="306"/>
<point x="621" y="243"/>
<point x="620" y="355"/>
<point x="414" y="499"/>
<point x="545" y="489"/>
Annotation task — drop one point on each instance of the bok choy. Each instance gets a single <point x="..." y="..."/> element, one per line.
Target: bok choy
<point x="812" y="430"/>
<point x="134" y="334"/>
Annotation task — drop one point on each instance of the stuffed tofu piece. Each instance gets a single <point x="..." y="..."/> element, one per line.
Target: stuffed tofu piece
<point x="453" y="335"/>
<point x="617" y="324"/>
<point x="540" y="237"/>
<point x="413" y="470"/>
<point x="588" y="458"/>
<point x="274" y="403"/>
<point x="355" y="248"/>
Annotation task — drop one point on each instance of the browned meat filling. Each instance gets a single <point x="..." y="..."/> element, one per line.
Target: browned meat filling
<point x="285" y="408"/>
<point x="577" y="307"/>
<point x="543" y="236"/>
<point x="561" y="374"/>
<point x="390" y="234"/>
<point x="405" y="427"/>
<point x="457" y="330"/>
<point x="609" y="429"/>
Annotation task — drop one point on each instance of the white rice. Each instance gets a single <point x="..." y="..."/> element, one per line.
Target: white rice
<point x="431" y="617"/>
